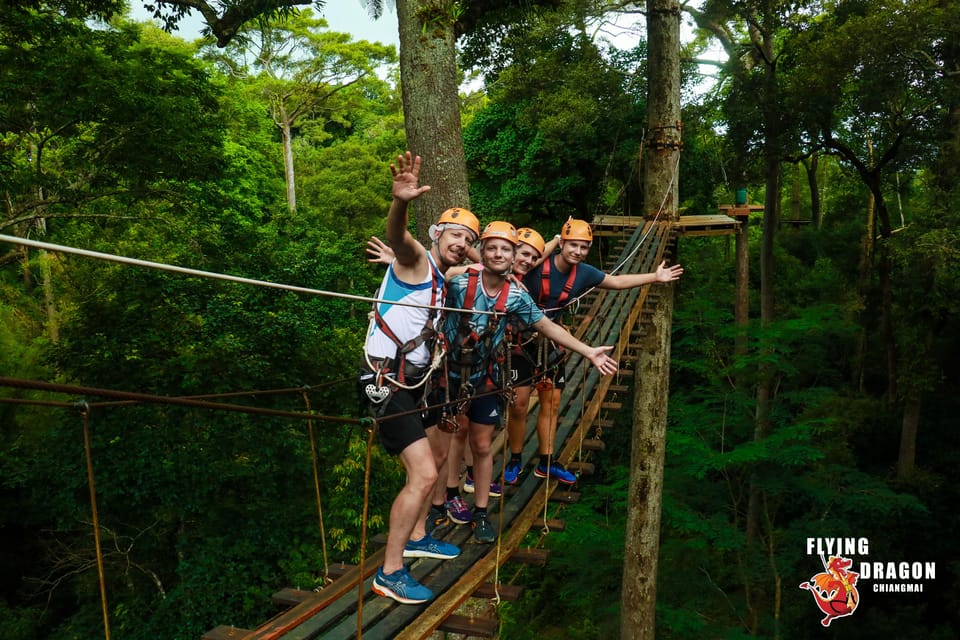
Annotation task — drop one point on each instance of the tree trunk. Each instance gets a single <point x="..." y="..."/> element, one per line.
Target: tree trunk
<point x="49" y="300"/>
<point x="907" y="458"/>
<point x="764" y="41"/>
<point x="286" y="135"/>
<point x="811" y="168"/>
<point x="431" y="106"/>
<point x="741" y="308"/>
<point x="795" y="193"/>
<point x="864" y="269"/>
<point x="642" y="537"/>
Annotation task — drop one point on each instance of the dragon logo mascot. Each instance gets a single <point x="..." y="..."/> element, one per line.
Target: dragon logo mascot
<point x="834" y="589"/>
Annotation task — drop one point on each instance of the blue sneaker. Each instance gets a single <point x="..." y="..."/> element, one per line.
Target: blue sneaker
<point x="556" y="471"/>
<point x="458" y="511"/>
<point x="495" y="490"/>
<point x="511" y="472"/>
<point x="400" y="586"/>
<point x="430" y="547"/>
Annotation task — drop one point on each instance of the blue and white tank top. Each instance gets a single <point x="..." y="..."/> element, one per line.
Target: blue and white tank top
<point x="406" y="322"/>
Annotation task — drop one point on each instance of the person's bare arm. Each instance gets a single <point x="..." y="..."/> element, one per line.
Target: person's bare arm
<point x="548" y="249"/>
<point x="406" y="187"/>
<point x="596" y="355"/>
<point x="631" y="280"/>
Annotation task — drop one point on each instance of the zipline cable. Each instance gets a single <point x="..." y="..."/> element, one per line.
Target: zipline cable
<point x="213" y="275"/>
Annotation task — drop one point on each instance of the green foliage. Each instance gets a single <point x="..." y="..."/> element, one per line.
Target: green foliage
<point x="555" y="603"/>
<point x="561" y="132"/>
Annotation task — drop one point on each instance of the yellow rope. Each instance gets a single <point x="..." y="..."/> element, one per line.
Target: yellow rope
<point x="316" y="489"/>
<point x="85" y="412"/>
<point x="503" y="499"/>
<point x="363" y="534"/>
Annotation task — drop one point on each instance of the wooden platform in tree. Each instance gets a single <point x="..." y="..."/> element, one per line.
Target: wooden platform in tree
<point x="706" y="225"/>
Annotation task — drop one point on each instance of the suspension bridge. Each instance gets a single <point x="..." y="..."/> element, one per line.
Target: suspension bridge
<point x="346" y="607"/>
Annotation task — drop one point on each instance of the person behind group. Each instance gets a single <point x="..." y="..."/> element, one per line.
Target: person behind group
<point x="474" y="338"/>
<point x="397" y="356"/>
<point x="555" y="283"/>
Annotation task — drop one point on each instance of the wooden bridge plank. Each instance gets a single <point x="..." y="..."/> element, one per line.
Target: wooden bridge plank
<point x="224" y="633"/>
<point x="478" y="627"/>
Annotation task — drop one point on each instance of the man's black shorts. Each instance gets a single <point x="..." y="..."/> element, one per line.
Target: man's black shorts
<point x="398" y="433"/>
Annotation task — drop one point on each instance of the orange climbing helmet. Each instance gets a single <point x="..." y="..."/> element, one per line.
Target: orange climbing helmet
<point x="529" y="236"/>
<point x="574" y="229"/>
<point x="462" y="217"/>
<point x="500" y="229"/>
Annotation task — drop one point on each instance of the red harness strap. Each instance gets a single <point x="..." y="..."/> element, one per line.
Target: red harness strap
<point x="468" y="337"/>
<point x="544" y="294"/>
<point x="427" y="333"/>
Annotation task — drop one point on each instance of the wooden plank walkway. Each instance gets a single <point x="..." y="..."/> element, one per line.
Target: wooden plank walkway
<point x="347" y="608"/>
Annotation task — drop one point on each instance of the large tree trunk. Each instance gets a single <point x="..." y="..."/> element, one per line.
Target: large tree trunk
<point x="815" y="216"/>
<point x="289" y="176"/>
<point x="642" y="537"/>
<point x="756" y="598"/>
<point x="741" y="306"/>
<point x="431" y="106"/>
<point x="909" y="428"/>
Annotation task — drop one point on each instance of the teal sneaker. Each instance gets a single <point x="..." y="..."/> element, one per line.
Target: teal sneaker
<point x="436" y="518"/>
<point x="400" y="586"/>
<point x="483" y="531"/>
<point x="430" y="547"/>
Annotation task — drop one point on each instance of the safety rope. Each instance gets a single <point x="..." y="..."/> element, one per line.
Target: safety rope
<point x="316" y="488"/>
<point x="213" y="275"/>
<point x="85" y="414"/>
<point x="240" y="394"/>
<point x="552" y="413"/>
<point x="154" y="399"/>
<point x="510" y="398"/>
<point x="363" y="534"/>
<point x="583" y="400"/>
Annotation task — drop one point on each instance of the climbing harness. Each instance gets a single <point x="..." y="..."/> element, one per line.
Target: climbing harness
<point x="466" y="353"/>
<point x="405" y="375"/>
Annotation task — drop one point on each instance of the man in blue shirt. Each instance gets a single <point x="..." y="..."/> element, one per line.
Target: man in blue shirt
<point x="554" y="284"/>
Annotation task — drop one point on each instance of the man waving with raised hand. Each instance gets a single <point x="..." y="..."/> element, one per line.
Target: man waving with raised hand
<point x="399" y="348"/>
